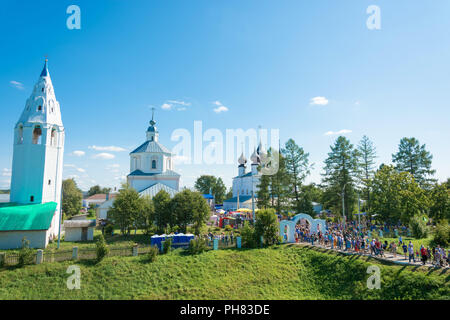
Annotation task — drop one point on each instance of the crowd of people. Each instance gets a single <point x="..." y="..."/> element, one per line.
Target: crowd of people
<point x="360" y="239"/>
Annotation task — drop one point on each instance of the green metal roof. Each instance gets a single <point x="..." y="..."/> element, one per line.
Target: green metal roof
<point x="27" y="217"/>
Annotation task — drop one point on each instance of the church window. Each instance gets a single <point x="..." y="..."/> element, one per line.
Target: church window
<point x="20" y="135"/>
<point x="49" y="182"/>
<point x="32" y="199"/>
<point x="42" y="90"/>
<point x="53" y="137"/>
<point x="37" y="135"/>
<point x="151" y="138"/>
<point x="40" y="108"/>
<point x="153" y="164"/>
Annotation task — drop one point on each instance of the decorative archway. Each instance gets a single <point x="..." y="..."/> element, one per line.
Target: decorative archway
<point x="287" y="227"/>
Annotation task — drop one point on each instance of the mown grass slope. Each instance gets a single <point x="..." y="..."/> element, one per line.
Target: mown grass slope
<point x="280" y="272"/>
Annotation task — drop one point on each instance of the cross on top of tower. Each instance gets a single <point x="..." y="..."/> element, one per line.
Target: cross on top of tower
<point x="153" y="122"/>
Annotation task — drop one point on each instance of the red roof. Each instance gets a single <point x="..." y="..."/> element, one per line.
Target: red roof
<point x="99" y="196"/>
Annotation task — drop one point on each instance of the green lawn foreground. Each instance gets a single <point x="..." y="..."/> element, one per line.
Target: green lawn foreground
<point x="279" y="272"/>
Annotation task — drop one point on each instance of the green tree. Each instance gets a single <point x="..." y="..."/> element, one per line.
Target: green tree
<point x="440" y="202"/>
<point x="305" y="202"/>
<point x="201" y="212"/>
<point x="279" y="185"/>
<point x="263" y="193"/>
<point x="418" y="227"/>
<point x="267" y="226"/>
<point x="315" y="191"/>
<point x="71" y="198"/>
<point x="396" y="195"/>
<point x="366" y="161"/>
<point x="147" y="216"/>
<point x="97" y="190"/>
<point x="128" y="208"/>
<point x="206" y="184"/>
<point x="182" y="210"/>
<point x="415" y="159"/>
<point x="229" y="194"/>
<point x="297" y="169"/>
<point x="102" y="249"/>
<point x="341" y="169"/>
<point x="163" y="211"/>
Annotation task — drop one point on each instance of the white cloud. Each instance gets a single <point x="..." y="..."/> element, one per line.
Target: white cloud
<point x="104" y="156"/>
<point x="69" y="165"/>
<point x="108" y="148"/>
<point x="319" y="101"/>
<point x="332" y="133"/>
<point x="220" y="107"/>
<point x="6" y="172"/>
<point x="180" y="105"/>
<point x="17" y="84"/>
<point x="5" y="183"/>
<point x="81" y="170"/>
<point x="78" y="153"/>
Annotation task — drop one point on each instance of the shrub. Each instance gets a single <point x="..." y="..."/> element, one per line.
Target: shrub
<point x="167" y="245"/>
<point x="249" y="237"/>
<point x="197" y="246"/>
<point x="228" y="228"/>
<point x="102" y="248"/>
<point x="26" y="254"/>
<point x="441" y="236"/>
<point x="418" y="227"/>
<point x="267" y="226"/>
<point x="109" y="229"/>
<point x="153" y="253"/>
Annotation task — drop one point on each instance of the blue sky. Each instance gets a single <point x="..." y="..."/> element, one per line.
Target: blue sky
<point x="263" y="60"/>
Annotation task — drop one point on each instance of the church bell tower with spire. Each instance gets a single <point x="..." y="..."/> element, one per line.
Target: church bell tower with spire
<point x="38" y="149"/>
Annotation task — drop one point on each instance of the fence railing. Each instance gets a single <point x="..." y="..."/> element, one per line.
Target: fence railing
<point x="13" y="259"/>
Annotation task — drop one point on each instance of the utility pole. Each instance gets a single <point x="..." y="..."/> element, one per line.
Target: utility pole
<point x="343" y="204"/>
<point x="60" y="218"/>
<point x="253" y="203"/>
<point x="359" y="213"/>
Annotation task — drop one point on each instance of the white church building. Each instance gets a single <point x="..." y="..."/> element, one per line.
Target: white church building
<point x="245" y="184"/>
<point x="151" y="170"/>
<point x="151" y="166"/>
<point x="33" y="210"/>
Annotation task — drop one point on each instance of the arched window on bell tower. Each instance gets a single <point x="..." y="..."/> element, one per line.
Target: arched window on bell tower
<point x="37" y="135"/>
<point x="20" y="135"/>
<point x="53" y="138"/>
<point x="153" y="164"/>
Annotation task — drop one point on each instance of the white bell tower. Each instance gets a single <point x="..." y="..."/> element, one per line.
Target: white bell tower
<point x="38" y="149"/>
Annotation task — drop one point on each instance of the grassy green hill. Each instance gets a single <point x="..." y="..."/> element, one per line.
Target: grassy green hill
<point x="281" y="272"/>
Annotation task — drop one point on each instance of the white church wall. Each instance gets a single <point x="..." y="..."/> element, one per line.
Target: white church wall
<point x="13" y="239"/>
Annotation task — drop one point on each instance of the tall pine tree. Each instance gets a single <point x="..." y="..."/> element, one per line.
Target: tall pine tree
<point x="341" y="170"/>
<point x="366" y="162"/>
<point x="297" y="169"/>
<point x="413" y="158"/>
